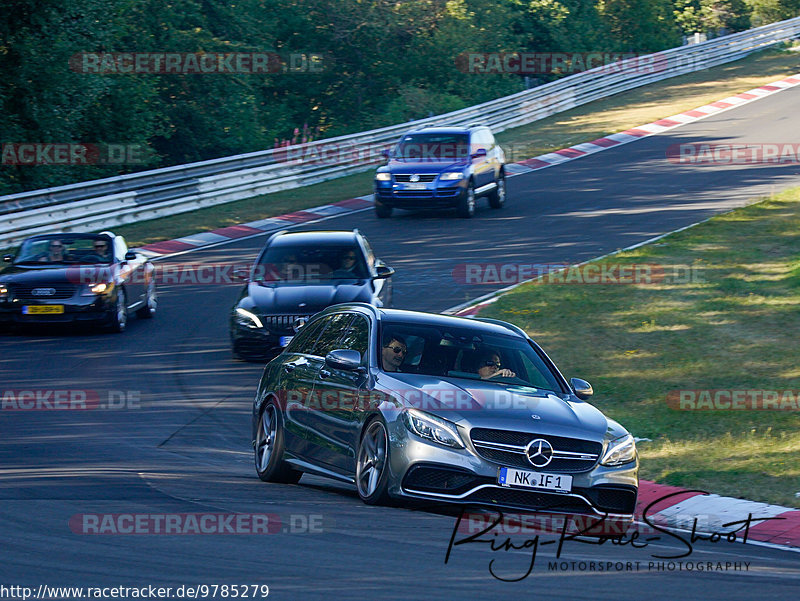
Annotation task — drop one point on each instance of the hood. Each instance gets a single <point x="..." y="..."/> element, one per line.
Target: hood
<point x="38" y="274"/>
<point x="426" y="166"/>
<point x="487" y="405"/>
<point x="287" y="298"/>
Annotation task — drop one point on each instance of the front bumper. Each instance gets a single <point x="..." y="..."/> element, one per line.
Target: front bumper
<point x="435" y="196"/>
<point x="88" y="309"/>
<point x="424" y="470"/>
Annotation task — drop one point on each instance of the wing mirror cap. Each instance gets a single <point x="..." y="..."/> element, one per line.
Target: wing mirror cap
<point x="583" y="390"/>
<point x="345" y="359"/>
<point x="382" y="272"/>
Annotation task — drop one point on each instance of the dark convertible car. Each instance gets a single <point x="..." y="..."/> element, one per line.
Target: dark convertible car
<point x="81" y="278"/>
<point x="446" y="409"/>
<point x="296" y="275"/>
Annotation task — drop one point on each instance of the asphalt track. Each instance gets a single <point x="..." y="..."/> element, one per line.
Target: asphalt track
<point x="181" y="442"/>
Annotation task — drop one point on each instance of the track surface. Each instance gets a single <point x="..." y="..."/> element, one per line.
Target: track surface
<point x="185" y="447"/>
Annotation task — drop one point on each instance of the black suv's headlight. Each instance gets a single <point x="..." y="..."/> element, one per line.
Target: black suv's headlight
<point x="247" y="319"/>
<point x="618" y="451"/>
<point x="3" y="292"/>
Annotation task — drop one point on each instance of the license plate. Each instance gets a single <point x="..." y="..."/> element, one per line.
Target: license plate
<point x="539" y="480"/>
<point x="285" y="340"/>
<point x="416" y="186"/>
<point x="42" y="309"/>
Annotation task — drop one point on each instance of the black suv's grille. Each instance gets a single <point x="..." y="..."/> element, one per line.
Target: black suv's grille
<point x="43" y="292"/>
<point x="508" y="448"/>
<point x="281" y="322"/>
<point x="406" y="177"/>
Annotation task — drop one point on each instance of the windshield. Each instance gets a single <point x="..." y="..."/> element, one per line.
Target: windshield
<point x="464" y="353"/>
<point x="433" y="147"/>
<point x="291" y="264"/>
<point x="66" y="249"/>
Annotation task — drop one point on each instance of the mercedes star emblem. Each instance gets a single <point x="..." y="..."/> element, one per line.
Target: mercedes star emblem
<point x="539" y="452"/>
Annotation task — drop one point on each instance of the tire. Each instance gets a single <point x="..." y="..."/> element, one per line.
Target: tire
<point x="148" y="311"/>
<point x="268" y="452"/>
<point x="466" y="203"/>
<point x="498" y="196"/>
<point x="382" y="211"/>
<point x="372" y="464"/>
<point x="119" y="318"/>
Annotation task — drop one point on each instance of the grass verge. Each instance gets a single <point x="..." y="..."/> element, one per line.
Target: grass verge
<point x="582" y="124"/>
<point x="724" y="317"/>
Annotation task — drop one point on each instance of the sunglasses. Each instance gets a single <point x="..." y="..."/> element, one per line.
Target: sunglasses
<point x="56" y="246"/>
<point x="492" y="364"/>
<point x="397" y="349"/>
<point x="101" y="245"/>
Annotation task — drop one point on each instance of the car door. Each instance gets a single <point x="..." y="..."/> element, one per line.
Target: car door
<point x="481" y="166"/>
<point x="338" y="392"/>
<point x="314" y="428"/>
<point x="296" y="384"/>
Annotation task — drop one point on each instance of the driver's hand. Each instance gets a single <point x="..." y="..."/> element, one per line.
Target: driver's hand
<point x="503" y="373"/>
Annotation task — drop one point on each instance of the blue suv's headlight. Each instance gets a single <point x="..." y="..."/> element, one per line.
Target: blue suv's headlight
<point x="452" y="175"/>
<point x="383" y="177"/>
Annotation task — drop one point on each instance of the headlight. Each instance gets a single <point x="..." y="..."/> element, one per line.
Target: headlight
<point x="451" y="175"/>
<point x="244" y="317"/>
<point x="619" y="451"/>
<point x="432" y="428"/>
<point x="99" y="288"/>
<point x="383" y="177"/>
<point x="3" y="292"/>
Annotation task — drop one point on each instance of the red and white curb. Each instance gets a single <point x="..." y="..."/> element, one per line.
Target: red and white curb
<point x="352" y="205"/>
<point x="687" y="510"/>
<point x="656" y="127"/>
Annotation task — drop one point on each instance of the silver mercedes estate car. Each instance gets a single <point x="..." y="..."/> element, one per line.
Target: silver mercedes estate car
<point x="448" y="409"/>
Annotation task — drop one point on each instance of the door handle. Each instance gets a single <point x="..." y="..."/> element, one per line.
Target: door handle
<point x="324" y="373"/>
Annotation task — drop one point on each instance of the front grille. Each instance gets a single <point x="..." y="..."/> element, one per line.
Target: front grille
<point x="528" y="500"/>
<point x="281" y="323"/>
<point x="404" y="178"/>
<point x="516" y="457"/>
<point x="25" y="291"/>
<point x="429" y="478"/>
<point x="611" y="499"/>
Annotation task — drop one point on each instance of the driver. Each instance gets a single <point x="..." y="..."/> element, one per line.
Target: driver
<point x="101" y="249"/>
<point x="394" y="352"/>
<point x="490" y="366"/>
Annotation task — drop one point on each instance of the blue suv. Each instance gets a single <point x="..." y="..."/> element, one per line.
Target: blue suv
<point x="442" y="168"/>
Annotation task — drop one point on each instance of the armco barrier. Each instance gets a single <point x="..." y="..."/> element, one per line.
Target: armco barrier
<point x="124" y="199"/>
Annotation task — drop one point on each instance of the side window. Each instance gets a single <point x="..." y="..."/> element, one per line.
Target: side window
<point x="329" y="339"/>
<point x="356" y="337"/>
<point x="306" y="337"/>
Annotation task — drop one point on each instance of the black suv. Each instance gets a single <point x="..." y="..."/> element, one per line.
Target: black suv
<point x="442" y="168"/>
<point x="296" y="275"/>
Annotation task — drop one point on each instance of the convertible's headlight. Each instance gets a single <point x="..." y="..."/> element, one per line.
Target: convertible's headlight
<point x="619" y="451"/>
<point x="383" y="177"/>
<point x="432" y="428"/>
<point x="251" y="320"/>
<point x="451" y="175"/>
<point x="99" y="288"/>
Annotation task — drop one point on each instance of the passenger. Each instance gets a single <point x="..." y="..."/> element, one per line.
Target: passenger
<point x="490" y="366"/>
<point x="101" y="249"/>
<point x="55" y="253"/>
<point x="394" y="352"/>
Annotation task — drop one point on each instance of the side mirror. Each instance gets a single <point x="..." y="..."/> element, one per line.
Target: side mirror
<point x="130" y="256"/>
<point x="8" y="258"/>
<point x="383" y="272"/>
<point x="242" y="275"/>
<point x="386" y="153"/>
<point x="583" y="390"/>
<point x="478" y="154"/>
<point x="346" y="359"/>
